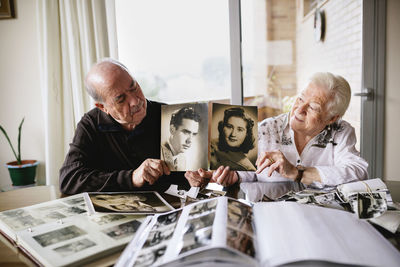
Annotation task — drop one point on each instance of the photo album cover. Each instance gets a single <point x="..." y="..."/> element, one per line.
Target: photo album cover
<point x="209" y="135"/>
<point x="62" y="233"/>
<point x="146" y="202"/>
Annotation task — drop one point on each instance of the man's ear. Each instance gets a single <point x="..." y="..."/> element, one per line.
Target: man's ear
<point x="172" y="129"/>
<point x="101" y="107"/>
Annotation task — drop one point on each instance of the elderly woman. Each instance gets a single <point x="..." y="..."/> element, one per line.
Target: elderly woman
<point x="235" y="140"/>
<point x="311" y="144"/>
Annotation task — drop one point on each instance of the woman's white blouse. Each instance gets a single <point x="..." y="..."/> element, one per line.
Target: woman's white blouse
<point x="332" y="152"/>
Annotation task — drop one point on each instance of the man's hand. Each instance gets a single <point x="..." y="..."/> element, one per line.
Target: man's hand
<point x="224" y="176"/>
<point x="199" y="178"/>
<point x="149" y="171"/>
<point x="276" y="161"/>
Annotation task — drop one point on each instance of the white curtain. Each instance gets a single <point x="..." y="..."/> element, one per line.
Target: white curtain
<point x="72" y="36"/>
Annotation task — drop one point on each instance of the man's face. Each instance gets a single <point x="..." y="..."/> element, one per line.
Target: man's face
<point x="123" y="99"/>
<point x="181" y="138"/>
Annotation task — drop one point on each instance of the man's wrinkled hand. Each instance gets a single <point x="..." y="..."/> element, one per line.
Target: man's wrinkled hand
<point x="199" y="178"/>
<point x="149" y="171"/>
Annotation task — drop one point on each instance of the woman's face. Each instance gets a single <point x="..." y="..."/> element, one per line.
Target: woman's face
<point x="309" y="114"/>
<point x="235" y="131"/>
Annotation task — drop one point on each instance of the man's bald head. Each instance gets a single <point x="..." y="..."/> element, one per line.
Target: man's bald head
<point x="102" y="76"/>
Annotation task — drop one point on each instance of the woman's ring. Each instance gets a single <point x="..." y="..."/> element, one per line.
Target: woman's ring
<point x="272" y="160"/>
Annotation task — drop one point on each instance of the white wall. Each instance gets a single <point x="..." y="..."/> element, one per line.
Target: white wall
<point x="20" y="94"/>
<point x="392" y="108"/>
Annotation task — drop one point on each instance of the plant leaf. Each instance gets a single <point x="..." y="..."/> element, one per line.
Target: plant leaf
<point x="19" y="141"/>
<point x="8" y="139"/>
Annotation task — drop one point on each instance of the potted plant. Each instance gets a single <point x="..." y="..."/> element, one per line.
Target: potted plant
<point x="22" y="172"/>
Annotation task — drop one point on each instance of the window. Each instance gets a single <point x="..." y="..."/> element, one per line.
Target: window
<point x="178" y="50"/>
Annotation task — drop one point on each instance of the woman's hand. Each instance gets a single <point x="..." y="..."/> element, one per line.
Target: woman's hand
<point x="224" y="176"/>
<point x="276" y="161"/>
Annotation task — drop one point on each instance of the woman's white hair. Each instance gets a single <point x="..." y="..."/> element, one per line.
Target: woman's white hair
<point x="337" y="87"/>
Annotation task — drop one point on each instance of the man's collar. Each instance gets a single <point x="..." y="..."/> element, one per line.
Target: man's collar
<point x="172" y="148"/>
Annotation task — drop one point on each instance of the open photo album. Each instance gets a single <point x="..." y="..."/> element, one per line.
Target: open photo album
<point x="224" y="231"/>
<point x="139" y="202"/>
<point x="209" y="135"/>
<point x="61" y="232"/>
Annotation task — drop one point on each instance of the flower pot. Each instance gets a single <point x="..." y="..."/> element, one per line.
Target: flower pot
<point x="23" y="174"/>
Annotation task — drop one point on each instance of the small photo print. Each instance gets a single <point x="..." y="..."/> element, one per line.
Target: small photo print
<point x="203" y="207"/>
<point x="371" y="205"/>
<point x="157" y="236"/>
<point x="240" y="217"/>
<point x="150" y="257"/>
<point x="59" y="235"/>
<point x="108" y="218"/>
<point x="122" y="230"/>
<point x="240" y="241"/>
<point x="236" y="207"/>
<point x="233" y="137"/>
<point x="54" y="215"/>
<point x="74" y="210"/>
<point x="197" y="232"/>
<point x="74" y="247"/>
<point x="167" y="219"/>
<point x="74" y="201"/>
<point x="19" y="219"/>
<point x="129" y="202"/>
<point x="197" y="239"/>
<point x="200" y="222"/>
<point x="184" y="133"/>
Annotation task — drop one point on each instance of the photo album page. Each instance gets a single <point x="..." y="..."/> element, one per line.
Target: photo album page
<point x="61" y="232"/>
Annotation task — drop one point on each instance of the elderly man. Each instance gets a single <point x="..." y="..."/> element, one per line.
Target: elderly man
<point x="184" y="126"/>
<point x="116" y="146"/>
<point x="311" y="144"/>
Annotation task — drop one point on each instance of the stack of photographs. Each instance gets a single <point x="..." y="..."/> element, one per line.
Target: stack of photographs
<point x="146" y="202"/>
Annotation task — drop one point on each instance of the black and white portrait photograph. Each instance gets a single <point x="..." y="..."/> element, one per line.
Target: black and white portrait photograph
<point x="138" y="202"/>
<point x="184" y="135"/>
<point x="233" y="137"/>
<point x="74" y="247"/>
<point x="59" y="235"/>
<point x="122" y="230"/>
